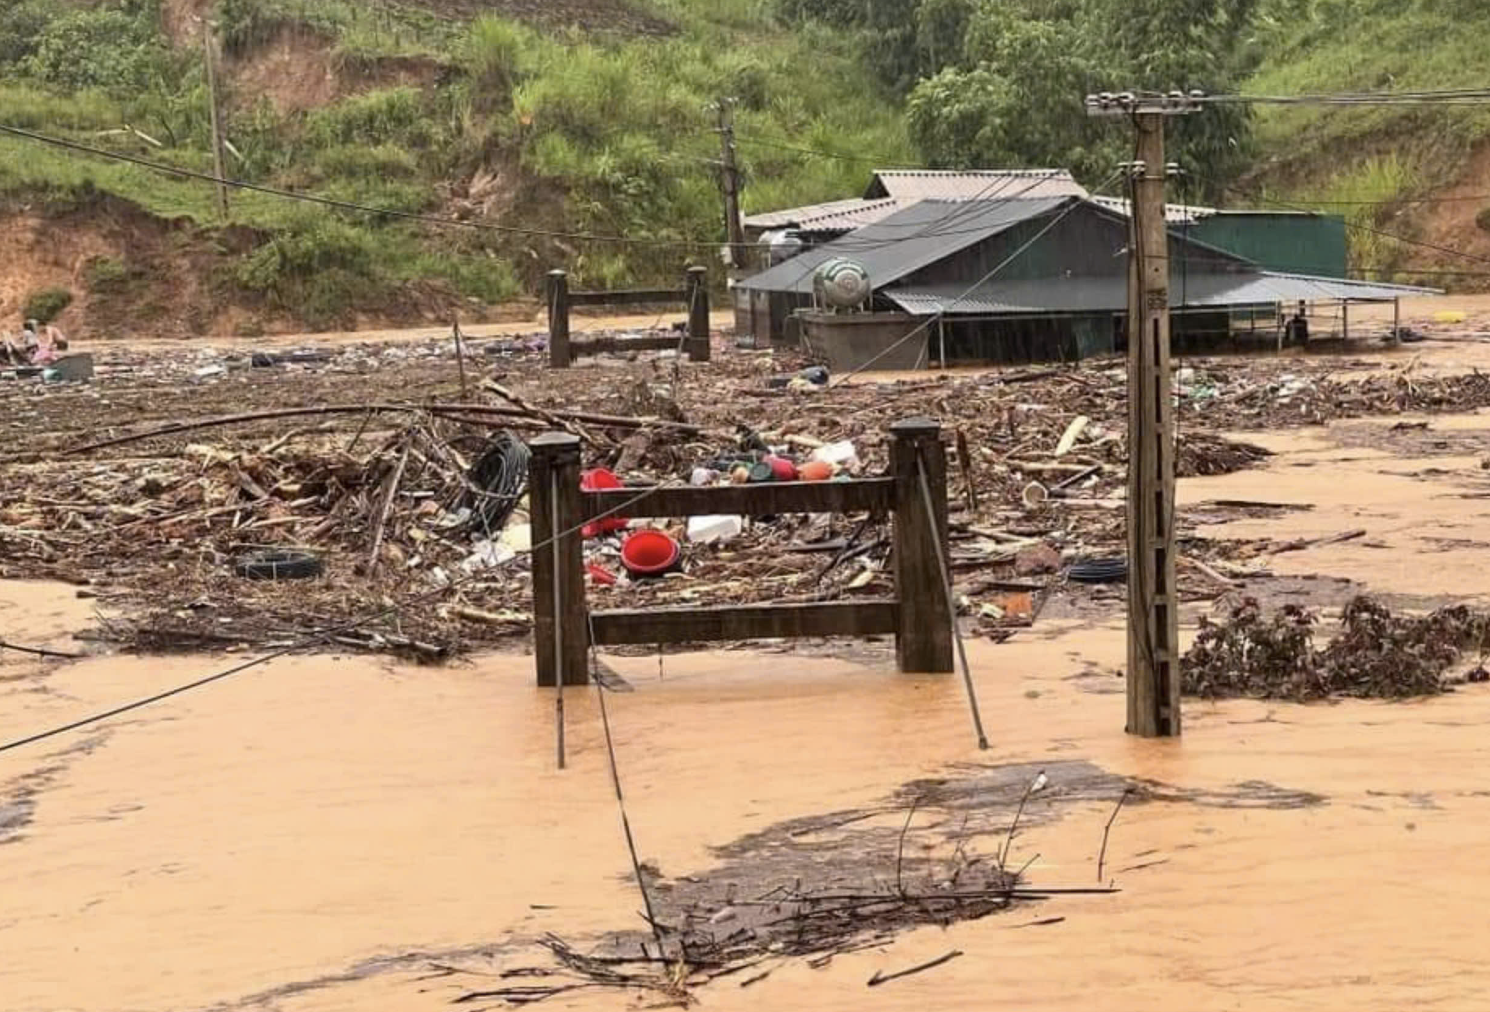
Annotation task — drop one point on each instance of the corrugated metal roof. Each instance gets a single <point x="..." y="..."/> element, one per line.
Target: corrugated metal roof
<point x="1110" y="294"/>
<point x="1177" y="213"/>
<point x="906" y="241"/>
<point x="830" y="210"/>
<point x="834" y="216"/>
<point x="906" y="185"/>
<point x="892" y="191"/>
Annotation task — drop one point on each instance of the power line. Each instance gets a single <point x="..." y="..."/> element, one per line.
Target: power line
<point x="1472" y="197"/>
<point x="817" y="152"/>
<point x="345" y="205"/>
<point x="308" y="641"/>
<point x="1462" y="96"/>
<point x="1358" y="226"/>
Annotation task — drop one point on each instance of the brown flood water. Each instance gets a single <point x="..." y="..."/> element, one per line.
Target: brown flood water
<point x="279" y="840"/>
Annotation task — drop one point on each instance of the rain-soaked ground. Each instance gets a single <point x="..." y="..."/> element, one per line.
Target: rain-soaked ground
<point x="327" y="833"/>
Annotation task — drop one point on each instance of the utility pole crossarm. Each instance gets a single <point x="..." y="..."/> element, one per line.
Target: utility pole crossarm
<point x="1130" y="103"/>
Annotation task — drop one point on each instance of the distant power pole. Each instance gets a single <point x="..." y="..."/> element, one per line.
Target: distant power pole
<point x="209" y="54"/>
<point x="1153" y="601"/>
<point x="729" y="183"/>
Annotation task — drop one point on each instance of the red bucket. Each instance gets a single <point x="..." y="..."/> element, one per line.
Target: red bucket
<point x="649" y="553"/>
<point x="596" y="481"/>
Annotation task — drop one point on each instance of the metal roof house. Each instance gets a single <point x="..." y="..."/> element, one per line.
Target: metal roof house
<point x="1023" y="279"/>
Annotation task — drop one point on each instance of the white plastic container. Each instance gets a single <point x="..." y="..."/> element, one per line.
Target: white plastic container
<point x="706" y="530"/>
<point x="838" y="454"/>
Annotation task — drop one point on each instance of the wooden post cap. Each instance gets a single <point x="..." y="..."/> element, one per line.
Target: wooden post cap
<point x="913" y="428"/>
<point x="554" y="444"/>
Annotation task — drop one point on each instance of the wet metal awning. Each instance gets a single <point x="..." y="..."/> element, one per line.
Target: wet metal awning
<point x="1110" y="294"/>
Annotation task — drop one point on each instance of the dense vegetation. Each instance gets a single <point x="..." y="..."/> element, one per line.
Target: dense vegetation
<point x="542" y="127"/>
<point x="991" y="83"/>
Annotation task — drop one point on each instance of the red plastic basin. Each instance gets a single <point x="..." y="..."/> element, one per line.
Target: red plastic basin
<point x="649" y="553"/>
<point x="595" y="481"/>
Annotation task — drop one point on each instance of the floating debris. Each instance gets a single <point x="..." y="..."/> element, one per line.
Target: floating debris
<point x="1375" y="654"/>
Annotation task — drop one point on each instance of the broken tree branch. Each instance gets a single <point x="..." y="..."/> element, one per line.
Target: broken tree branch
<point x="379" y="525"/>
<point x="612" y="421"/>
<point x="883" y="978"/>
<point x="1102" y="854"/>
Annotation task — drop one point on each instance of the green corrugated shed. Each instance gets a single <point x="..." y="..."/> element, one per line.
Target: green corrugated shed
<point x="1284" y="241"/>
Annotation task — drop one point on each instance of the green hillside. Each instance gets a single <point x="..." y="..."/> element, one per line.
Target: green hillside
<point x="1406" y="170"/>
<point x="536" y="120"/>
<point x="584" y="117"/>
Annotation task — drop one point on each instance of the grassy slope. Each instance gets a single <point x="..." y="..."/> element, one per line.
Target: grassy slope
<point x="1313" y="156"/>
<point x="570" y="132"/>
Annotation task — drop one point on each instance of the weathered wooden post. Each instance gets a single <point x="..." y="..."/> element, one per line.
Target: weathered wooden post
<point x="923" y="642"/>
<point x="561" y="634"/>
<point x="558" y="320"/>
<point x="696" y="290"/>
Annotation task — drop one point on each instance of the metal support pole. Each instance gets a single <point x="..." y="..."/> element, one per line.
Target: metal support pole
<point x="1153" y="626"/>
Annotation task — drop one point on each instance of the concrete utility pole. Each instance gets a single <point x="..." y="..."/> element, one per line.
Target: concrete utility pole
<point x="209" y="55"/>
<point x="729" y="183"/>
<point x="1153" y="603"/>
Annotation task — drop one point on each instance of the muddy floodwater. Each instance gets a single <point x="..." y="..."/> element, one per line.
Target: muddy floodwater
<point x="323" y="833"/>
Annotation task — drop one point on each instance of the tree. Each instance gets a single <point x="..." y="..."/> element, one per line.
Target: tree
<point x="1015" y="96"/>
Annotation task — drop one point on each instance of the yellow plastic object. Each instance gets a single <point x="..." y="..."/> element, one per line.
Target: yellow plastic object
<point x="1450" y="316"/>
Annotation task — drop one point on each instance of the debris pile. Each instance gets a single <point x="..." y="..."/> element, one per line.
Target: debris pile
<point x="415" y="510"/>
<point x="1374" y="655"/>
<point x="154" y="515"/>
<point x="1280" y="394"/>
<point x="821" y="886"/>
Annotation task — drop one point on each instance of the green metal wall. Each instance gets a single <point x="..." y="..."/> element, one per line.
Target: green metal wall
<point x="1295" y="243"/>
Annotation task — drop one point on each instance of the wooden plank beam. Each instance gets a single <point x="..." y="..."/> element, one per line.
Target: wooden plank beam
<point x="863" y="495"/>
<point x="623" y="342"/>
<point x="746" y="622"/>
<point x="628" y="297"/>
<point x="924" y="641"/>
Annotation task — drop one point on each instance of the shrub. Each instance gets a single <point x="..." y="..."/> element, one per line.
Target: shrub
<point x="323" y="246"/>
<point x="22" y="24"/>
<point x="104" y="47"/>
<point x="495" y="57"/>
<point x="380" y="161"/>
<point x="1482" y="220"/>
<point x="476" y="276"/>
<point x="389" y="116"/>
<point x="106" y="272"/>
<point x="46" y="304"/>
